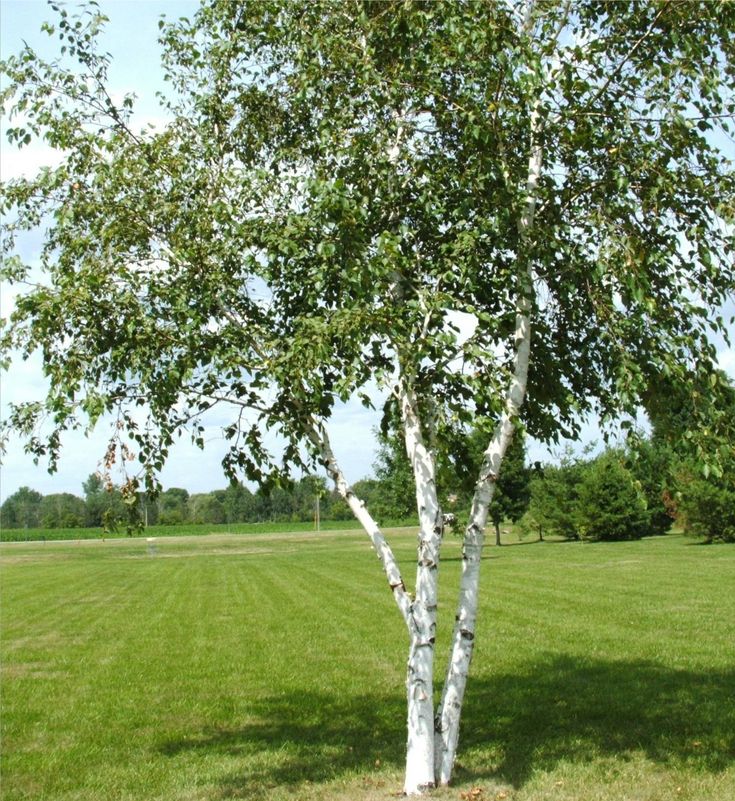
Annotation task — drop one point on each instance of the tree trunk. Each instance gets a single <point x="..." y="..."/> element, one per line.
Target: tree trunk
<point x="422" y="625"/>
<point x="419" y="613"/>
<point x="419" y="694"/>
<point x="446" y="735"/>
<point x="420" y="672"/>
<point x="497" y="532"/>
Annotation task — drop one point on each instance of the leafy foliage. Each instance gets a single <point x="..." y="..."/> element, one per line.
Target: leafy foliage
<point x="335" y="187"/>
<point x="324" y="167"/>
<point x="707" y="505"/>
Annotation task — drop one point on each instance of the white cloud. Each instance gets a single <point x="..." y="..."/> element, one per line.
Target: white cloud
<point x="27" y="161"/>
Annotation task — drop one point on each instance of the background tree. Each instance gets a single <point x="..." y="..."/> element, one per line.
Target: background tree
<point x="513" y="494"/>
<point x="707" y="505"/>
<point x="335" y="185"/>
<point x="611" y="506"/>
<point x="21" y="509"/>
<point x="705" y="499"/>
<point x="62" y="510"/>
<point x="238" y="503"/>
<point x="103" y="503"/>
<point x="652" y="462"/>
<point x="554" y="503"/>
<point x="702" y="496"/>
<point x="396" y="499"/>
<point x="148" y="507"/>
<point x="207" y="508"/>
<point x="173" y="506"/>
<point x="610" y="497"/>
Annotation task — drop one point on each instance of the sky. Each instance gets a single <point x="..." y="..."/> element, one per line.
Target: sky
<point x="131" y="38"/>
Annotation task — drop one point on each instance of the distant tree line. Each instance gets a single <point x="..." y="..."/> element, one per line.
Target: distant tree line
<point x="621" y="494"/>
<point x="107" y="508"/>
<point x="626" y="494"/>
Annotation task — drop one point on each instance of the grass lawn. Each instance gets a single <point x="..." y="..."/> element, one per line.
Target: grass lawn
<point x="272" y="667"/>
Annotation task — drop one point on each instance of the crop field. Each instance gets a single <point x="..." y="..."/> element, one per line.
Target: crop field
<point x="271" y="666"/>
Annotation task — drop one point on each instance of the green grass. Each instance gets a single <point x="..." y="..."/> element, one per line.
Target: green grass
<point x="272" y="667"/>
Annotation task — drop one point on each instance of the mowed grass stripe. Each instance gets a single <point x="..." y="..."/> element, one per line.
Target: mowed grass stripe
<point x="317" y="607"/>
<point x="650" y="610"/>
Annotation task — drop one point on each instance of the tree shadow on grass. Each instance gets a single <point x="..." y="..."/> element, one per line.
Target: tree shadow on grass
<point x="561" y="709"/>
<point x="514" y="724"/>
<point x="304" y="737"/>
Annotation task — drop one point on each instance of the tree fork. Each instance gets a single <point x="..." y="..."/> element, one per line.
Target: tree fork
<point x="463" y="639"/>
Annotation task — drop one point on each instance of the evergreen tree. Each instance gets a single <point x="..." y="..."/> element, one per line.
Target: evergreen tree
<point x="611" y="505"/>
<point x="513" y="491"/>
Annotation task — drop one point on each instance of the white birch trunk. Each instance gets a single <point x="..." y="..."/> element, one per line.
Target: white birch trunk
<point x="463" y="636"/>
<point x="419" y="613"/>
<point x="422" y="627"/>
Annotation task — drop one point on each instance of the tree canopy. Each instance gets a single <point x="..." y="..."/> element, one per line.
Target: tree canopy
<point x="334" y="185"/>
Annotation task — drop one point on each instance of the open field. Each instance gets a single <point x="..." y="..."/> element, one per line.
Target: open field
<point x="271" y="667"/>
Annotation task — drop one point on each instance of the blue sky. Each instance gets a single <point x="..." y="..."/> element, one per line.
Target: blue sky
<point x="131" y="38"/>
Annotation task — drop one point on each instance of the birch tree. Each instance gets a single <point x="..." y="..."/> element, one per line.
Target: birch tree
<point x="338" y="185"/>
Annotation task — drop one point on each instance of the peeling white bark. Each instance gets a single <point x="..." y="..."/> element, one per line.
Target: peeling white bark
<point x="463" y="637"/>
<point x="420" y="674"/>
<point x="320" y="440"/>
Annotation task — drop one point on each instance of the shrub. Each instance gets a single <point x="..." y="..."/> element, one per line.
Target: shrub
<point x="708" y="508"/>
<point x="611" y="505"/>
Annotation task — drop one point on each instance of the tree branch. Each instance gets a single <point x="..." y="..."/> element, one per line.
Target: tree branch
<point x="317" y="434"/>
